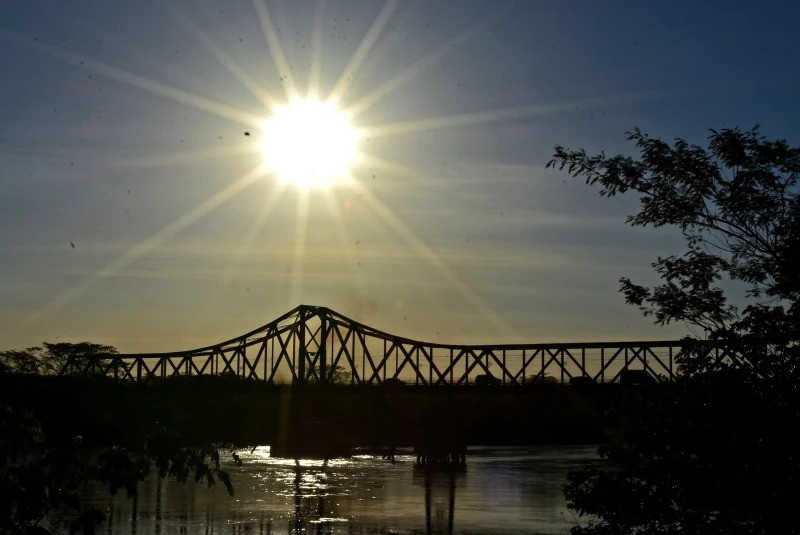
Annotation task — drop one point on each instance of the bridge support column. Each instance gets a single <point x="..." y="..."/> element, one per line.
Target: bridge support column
<point x="321" y="349"/>
<point x="302" y="350"/>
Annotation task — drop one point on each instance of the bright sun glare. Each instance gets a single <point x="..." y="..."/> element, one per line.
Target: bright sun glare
<point x="309" y="144"/>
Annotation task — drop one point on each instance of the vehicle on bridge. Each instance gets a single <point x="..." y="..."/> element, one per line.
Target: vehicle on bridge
<point x="487" y="380"/>
<point x="393" y="382"/>
<point x="582" y="380"/>
<point x="636" y="377"/>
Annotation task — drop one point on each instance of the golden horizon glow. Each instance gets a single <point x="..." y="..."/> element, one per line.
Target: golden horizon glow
<point x="309" y="144"/>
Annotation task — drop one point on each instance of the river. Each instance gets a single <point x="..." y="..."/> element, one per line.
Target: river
<point x="503" y="490"/>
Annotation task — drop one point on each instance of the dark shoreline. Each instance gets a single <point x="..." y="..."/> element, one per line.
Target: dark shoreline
<point x="241" y="412"/>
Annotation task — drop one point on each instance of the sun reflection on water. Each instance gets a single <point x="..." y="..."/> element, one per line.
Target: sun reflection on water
<point x="507" y="491"/>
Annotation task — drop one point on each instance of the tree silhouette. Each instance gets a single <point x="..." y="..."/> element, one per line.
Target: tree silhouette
<point x="40" y="483"/>
<point x="336" y="375"/>
<point x="707" y="454"/>
<point x="51" y="357"/>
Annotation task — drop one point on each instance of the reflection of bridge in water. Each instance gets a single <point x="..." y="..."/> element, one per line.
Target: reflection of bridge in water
<point x="312" y="344"/>
<point x="315" y="507"/>
<point x="437" y="521"/>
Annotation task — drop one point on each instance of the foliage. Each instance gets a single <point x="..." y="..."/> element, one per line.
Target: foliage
<point x="737" y="207"/>
<point x="36" y="481"/>
<point x="51" y="357"/>
<point x="707" y="455"/>
<point x="336" y="375"/>
<point x="692" y="458"/>
<point x="121" y="468"/>
<point x="39" y="483"/>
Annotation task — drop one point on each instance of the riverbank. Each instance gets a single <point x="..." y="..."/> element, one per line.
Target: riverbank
<point x="231" y="410"/>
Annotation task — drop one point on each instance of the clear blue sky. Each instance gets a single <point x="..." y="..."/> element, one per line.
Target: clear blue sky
<point x="124" y="219"/>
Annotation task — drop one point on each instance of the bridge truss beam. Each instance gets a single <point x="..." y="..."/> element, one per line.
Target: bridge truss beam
<point x="312" y="344"/>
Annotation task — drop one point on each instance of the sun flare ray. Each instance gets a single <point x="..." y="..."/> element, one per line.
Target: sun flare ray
<point x="140" y="82"/>
<point x="255" y="227"/>
<point x="275" y="49"/>
<point x="184" y="157"/>
<point x="299" y="254"/>
<point x="415" y="69"/>
<point x="316" y="51"/>
<point x="247" y="241"/>
<point x="495" y="116"/>
<point x="145" y="246"/>
<point x="343" y="235"/>
<point x="230" y="64"/>
<point x="429" y="256"/>
<point x="394" y="168"/>
<point x="369" y="40"/>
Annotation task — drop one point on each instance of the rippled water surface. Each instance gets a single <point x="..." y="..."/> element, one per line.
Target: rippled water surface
<point x="501" y="491"/>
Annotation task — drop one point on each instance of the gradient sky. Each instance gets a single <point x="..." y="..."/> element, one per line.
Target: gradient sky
<point x="124" y="217"/>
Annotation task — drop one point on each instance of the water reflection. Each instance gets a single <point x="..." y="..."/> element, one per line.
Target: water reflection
<point x="312" y="508"/>
<point x="502" y="490"/>
<point x="440" y="497"/>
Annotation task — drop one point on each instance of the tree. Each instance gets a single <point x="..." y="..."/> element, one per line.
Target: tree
<point x="20" y="361"/>
<point x="40" y="483"/>
<point x="707" y="454"/>
<point x="336" y="375"/>
<point x="81" y="354"/>
<point x="50" y="359"/>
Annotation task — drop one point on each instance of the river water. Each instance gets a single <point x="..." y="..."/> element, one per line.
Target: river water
<point x="503" y="490"/>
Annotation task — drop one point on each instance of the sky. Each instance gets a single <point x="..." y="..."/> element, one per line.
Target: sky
<point x="136" y="210"/>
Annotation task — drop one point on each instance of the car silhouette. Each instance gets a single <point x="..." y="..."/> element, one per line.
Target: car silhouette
<point x="486" y="380"/>
<point x="636" y="377"/>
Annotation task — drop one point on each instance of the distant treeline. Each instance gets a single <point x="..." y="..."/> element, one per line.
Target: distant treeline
<point x="49" y="358"/>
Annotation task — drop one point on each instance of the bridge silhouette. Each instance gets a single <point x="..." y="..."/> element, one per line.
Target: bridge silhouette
<point x="314" y="344"/>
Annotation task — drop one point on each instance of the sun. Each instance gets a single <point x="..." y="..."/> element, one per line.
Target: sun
<point x="309" y="144"/>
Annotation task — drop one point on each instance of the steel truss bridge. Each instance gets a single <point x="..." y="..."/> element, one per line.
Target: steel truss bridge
<point x="313" y="344"/>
